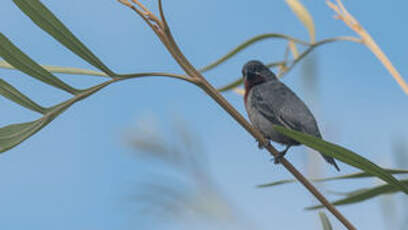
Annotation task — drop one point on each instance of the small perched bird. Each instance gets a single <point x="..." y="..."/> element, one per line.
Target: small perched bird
<point x="269" y="102"/>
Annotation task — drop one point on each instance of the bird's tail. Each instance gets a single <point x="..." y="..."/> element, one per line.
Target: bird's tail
<point x="331" y="161"/>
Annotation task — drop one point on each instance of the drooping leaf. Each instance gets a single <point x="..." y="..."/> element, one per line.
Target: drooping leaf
<point x="343" y="155"/>
<point x="348" y="176"/>
<point x="231" y="85"/>
<point x="61" y="69"/>
<point x="13" y="135"/>
<point x="15" y="57"/>
<point x="47" y="21"/>
<point x="11" y="93"/>
<point x="364" y="194"/>
<point x="325" y="221"/>
<point x="248" y="43"/>
<point x="304" y="16"/>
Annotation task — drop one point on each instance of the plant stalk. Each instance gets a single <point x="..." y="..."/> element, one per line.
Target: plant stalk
<point x="162" y="30"/>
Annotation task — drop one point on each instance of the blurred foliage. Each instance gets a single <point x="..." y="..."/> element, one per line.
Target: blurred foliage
<point x="325" y="221"/>
<point x="304" y="16"/>
<point x="181" y="186"/>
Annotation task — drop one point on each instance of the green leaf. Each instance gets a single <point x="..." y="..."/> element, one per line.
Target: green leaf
<point x="13" y="135"/>
<point x="280" y="182"/>
<point x="364" y="194"/>
<point x="343" y="155"/>
<point x="11" y="93"/>
<point x="61" y="69"/>
<point x="325" y="221"/>
<point x="248" y="43"/>
<point x="47" y="21"/>
<point x="231" y="85"/>
<point x="15" y="57"/>
<point x="348" y="176"/>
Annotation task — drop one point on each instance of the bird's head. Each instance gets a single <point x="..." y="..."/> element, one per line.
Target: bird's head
<point x="254" y="73"/>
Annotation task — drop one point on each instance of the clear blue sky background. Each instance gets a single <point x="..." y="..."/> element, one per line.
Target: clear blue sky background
<point x="78" y="172"/>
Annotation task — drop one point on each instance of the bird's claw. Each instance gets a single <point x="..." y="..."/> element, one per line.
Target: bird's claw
<point x="280" y="155"/>
<point x="263" y="145"/>
<point x="278" y="158"/>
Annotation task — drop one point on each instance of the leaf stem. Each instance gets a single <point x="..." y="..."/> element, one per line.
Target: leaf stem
<point x="238" y="82"/>
<point x="249" y="42"/>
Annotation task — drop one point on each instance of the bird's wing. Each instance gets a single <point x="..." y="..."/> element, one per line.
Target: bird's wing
<point x="281" y="106"/>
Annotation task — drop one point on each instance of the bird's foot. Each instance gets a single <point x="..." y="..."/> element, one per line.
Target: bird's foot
<point x="280" y="155"/>
<point x="278" y="158"/>
<point x="263" y="145"/>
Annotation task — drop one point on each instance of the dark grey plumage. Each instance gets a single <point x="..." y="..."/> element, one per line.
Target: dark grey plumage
<point x="269" y="102"/>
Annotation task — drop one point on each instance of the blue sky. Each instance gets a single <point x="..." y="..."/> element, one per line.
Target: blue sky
<point x="77" y="172"/>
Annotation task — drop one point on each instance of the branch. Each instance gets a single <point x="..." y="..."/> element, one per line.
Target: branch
<point x="163" y="32"/>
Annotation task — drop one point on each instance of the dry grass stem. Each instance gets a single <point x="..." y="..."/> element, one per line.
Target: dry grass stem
<point x="367" y="40"/>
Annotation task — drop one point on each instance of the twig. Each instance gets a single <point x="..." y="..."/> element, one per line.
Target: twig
<point x="367" y="40"/>
<point x="294" y="61"/>
<point x="157" y="74"/>
<point x="249" y="42"/>
<point x="168" y="40"/>
<point x="315" y="45"/>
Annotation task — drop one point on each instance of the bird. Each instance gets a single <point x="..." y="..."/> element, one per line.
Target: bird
<point x="269" y="102"/>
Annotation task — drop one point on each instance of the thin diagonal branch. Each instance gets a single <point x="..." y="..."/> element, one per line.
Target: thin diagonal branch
<point x="165" y="36"/>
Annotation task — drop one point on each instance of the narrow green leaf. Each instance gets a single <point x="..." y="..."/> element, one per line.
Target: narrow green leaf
<point x="61" y="69"/>
<point x="325" y="221"/>
<point x="15" y="57"/>
<point x="13" y="135"/>
<point x="348" y="176"/>
<point x="343" y="155"/>
<point x="47" y="21"/>
<point x="248" y="43"/>
<point x="279" y="182"/>
<point x="11" y="93"/>
<point x="364" y="194"/>
<point x="231" y="85"/>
